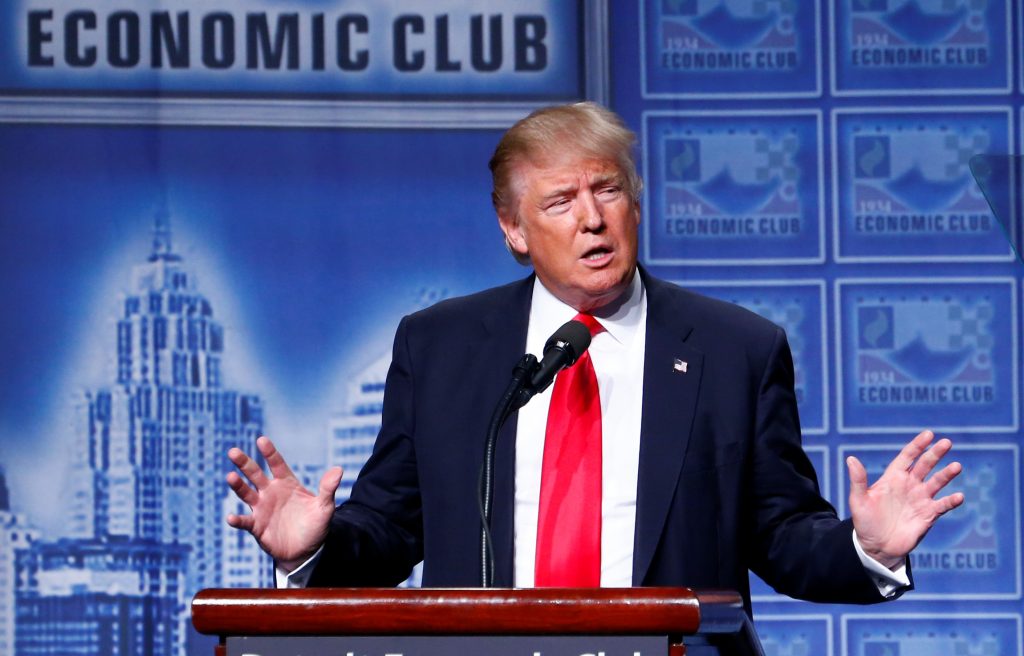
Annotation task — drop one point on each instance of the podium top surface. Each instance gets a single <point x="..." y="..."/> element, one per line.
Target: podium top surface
<point x="408" y="611"/>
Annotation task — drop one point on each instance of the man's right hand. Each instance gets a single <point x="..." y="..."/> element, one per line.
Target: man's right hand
<point x="288" y="521"/>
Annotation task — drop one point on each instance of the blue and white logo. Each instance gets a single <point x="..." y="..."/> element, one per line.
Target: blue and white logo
<point x="904" y="190"/>
<point x="799" y="308"/>
<point x="920" y="46"/>
<point x="731" y="188"/>
<point x="937" y="353"/>
<point x="974" y="552"/>
<point x="727" y="48"/>
<point x="794" y="635"/>
<point x="877" y="634"/>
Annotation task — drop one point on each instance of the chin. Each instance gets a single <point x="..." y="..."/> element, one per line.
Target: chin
<point x="609" y="281"/>
<point x="598" y="296"/>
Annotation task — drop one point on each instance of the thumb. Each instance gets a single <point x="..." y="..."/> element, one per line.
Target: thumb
<point x="329" y="485"/>
<point x="858" y="477"/>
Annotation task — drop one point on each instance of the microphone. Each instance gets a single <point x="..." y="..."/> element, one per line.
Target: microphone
<point x="561" y="350"/>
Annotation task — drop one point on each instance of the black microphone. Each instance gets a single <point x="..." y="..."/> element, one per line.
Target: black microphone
<point x="562" y="350"/>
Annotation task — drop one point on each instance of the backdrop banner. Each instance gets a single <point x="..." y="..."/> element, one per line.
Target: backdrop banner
<point x="215" y="213"/>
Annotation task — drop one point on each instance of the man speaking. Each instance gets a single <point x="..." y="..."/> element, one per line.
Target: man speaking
<point x="668" y="454"/>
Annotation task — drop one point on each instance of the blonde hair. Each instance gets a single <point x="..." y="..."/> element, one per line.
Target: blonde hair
<point x="585" y="128"/>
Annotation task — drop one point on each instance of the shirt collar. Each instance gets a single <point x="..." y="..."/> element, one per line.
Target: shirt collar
<point x="620" y="319"/>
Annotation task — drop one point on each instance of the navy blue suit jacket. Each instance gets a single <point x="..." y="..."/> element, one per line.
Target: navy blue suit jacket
<point x="724" y="484"/>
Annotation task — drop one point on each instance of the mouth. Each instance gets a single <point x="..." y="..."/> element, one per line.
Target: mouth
<point x="598" y="255"/>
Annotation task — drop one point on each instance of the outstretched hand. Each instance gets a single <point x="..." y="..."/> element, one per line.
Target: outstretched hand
<point x="893" y="515"/>
<point x="289" y="522"/>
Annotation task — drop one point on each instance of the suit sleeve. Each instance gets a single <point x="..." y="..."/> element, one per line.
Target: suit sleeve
<point x="375" y="538"/>
<point x="802" y="548"/>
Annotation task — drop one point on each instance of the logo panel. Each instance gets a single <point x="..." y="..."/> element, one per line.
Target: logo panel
<point x="904" y="190"/>
<point x="796" y="635"/>
<point x="800" y="310"/>
<point x="936" y="633"/>
<point x="741" y="47"/>
<point x="921" y="46"/>
<point x="733" y="188"/>
<point x="938" y="353"/>
<point x="973" y="552"/>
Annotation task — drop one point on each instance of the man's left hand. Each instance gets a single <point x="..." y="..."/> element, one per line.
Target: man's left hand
<point x="893" y="515"/>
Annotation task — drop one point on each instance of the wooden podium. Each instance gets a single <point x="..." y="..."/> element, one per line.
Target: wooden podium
<point x="680" y="620"/>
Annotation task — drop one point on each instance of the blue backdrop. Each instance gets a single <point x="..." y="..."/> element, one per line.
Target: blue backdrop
<point x="213" y="215"/>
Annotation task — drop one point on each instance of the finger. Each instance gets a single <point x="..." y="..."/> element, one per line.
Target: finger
<point x="942" y="477"/>
<point x="858" y="477"/>
<point x="241" y="522"/>
<point x="278" y="467"/>
<point x="947" y="503"/>
<point x="329" y="485"/>
<point x="926" y="463"/>
<point x="245" y="493"/>
<point x="248" y="467"/>
<point x="912" y="451"/>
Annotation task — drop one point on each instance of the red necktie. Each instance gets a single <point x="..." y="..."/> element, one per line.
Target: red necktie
<point x="569" y="522"/>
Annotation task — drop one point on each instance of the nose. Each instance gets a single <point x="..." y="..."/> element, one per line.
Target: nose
<point x="589" y="214"/>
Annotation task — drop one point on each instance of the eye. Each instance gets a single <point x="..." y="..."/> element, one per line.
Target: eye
<point x="557" y="205"/>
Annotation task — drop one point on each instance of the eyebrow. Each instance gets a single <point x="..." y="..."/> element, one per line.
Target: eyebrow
<point x="605" y="178"/>
<point x="596" y="181"/>
<point x="559" y="192"/>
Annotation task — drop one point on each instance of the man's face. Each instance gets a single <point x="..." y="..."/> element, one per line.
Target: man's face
<point x="577" y="222"/>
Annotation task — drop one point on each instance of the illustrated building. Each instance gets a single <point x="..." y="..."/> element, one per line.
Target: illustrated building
<point x="243" y="563"/>
<point x="103" y="597"/>
<point x="151" y="447"/>
<point x="353" y="432"/>
<point x="147" y="495"/>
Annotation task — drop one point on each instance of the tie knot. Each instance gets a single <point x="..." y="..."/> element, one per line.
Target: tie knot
<point x="590" y="322"/>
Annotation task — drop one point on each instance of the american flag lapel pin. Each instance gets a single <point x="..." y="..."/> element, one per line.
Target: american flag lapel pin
<point x="679" y="366"/>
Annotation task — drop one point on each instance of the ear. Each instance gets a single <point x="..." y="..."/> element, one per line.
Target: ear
<point x="514" y="236"/>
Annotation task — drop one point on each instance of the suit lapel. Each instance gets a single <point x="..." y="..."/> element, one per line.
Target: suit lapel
<point x="669" y="401"/>
<point x="505" y="327"/>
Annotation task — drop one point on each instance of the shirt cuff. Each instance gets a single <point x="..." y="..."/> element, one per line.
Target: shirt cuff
<point x="888" y="581"/>
<point x="298" y="577"/>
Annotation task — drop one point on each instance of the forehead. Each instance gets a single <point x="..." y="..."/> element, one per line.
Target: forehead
<point x="561" y="170"/>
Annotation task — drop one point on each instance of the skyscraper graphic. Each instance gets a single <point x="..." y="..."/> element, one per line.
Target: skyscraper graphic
<point x="243" y="563"/>
<point x="15" y="534"/>
<point x="146" y="527"/>
<point x="103" y="597"/>
<point x="151" y="448"/>
<point x="353" y="432"/>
